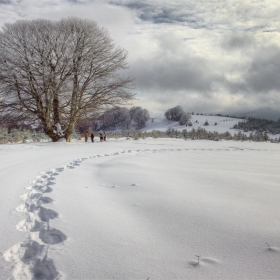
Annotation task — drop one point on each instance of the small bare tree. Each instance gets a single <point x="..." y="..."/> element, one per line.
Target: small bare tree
<point x="60" y="72"/>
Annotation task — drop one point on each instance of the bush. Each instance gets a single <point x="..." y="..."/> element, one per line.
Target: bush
<point x="174" y="114"/>
<point x="133" y="110"/>
<point x="123" y="118"/>
<point x="140" y="118"/>
<point x="185" y="118"/>
<point x="116" y="117"/>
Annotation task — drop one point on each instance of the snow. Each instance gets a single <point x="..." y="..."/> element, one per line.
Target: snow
<point x="140" y="209"/>
<point x="223" y="124"/>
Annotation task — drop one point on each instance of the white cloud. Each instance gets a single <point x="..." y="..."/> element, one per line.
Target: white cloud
<point x="209" y="55"/>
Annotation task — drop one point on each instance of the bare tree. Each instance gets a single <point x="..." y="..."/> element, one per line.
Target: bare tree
<point x="60" y="72"/>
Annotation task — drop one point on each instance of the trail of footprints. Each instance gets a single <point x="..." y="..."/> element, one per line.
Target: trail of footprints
<point x="30" y="258"/>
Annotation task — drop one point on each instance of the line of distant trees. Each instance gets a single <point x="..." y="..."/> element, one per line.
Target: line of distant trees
<point x="194" y="134"/>
<point x="25" y="135"/>
<point x="259" y="125"/>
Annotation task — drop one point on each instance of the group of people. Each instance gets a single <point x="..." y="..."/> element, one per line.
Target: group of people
<point x="102" y="136"/>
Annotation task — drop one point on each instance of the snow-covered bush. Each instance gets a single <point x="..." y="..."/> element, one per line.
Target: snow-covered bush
<point x="185" y="118"/>
<point x="140" y="118"/>
<point x="38" y="136"/>
<point x="124" y="118"/>
<point x="116" y="118"/>
<point x="133" y="110"/>
<point x="76" y="135"/>
<point x="21" y="135"/>
<point x="26" y="135"/>
<point x="174" y="114"/>
<point x="16" y="135"/>
<point x="4" y="137"/>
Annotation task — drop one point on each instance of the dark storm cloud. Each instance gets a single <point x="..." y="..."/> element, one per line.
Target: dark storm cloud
<point x="163" y="13"/>
<point x="77" y="1"/>
<point x="169" y="73"/>
<point x="5" y="1"/>
<point x="259" y="64"/>
<point x="238" y="41"/>
<point x="262" y="75"/>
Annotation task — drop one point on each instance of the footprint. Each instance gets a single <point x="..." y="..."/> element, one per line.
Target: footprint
<point x="29" y="206"/>
<point x="70" y="167"/>
<point x="26" y="252"/>
<point x="49" y="183"/>
<point x="29" y="251"/>
<point x="30" y="224"/>
<point x="31" y="195"/>
<point x="42" y="188"/>
<point x="47" y="214"/>
<point x="44" y="269"/>
<point x="59" y="169"/>
<point x="52" y="236"/>
<point x="46" y="200"/>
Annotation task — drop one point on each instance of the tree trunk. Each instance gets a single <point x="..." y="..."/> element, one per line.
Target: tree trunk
<point x="51" y="133"/>
<point x="56" y="112"/>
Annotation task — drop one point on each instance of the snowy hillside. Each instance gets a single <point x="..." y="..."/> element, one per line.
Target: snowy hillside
<point x="223" y="124"/>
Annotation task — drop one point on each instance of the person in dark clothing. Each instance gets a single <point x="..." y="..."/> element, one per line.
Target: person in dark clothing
<point x="86" y="136"/>
<point x="104" y="135"/>
<point x="92" y="137"/>
<point x="101" y="136"/>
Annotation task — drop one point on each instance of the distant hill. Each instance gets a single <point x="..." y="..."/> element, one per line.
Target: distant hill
<point x="219" y="124"/>
<point x="262" y="113"/>
<point x="216" y="123"/>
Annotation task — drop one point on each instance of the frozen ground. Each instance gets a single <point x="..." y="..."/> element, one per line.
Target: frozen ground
<point x="140" y="209"/>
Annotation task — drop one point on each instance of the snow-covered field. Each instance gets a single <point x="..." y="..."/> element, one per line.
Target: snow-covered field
<point x="140" y="209"/>
<point x="223" y="124"/>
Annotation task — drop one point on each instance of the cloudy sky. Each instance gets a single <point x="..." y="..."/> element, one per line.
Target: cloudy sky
<point x="210" y="56"/>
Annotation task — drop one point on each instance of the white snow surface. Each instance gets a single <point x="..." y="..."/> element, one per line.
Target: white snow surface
<point x="223" y="124"/>
<point x="140" y="209"/>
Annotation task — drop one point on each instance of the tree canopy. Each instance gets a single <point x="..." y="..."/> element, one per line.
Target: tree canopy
<point x="60" y="72"/>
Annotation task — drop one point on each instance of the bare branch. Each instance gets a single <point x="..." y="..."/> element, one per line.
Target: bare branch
<point x="60" y="70"/>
